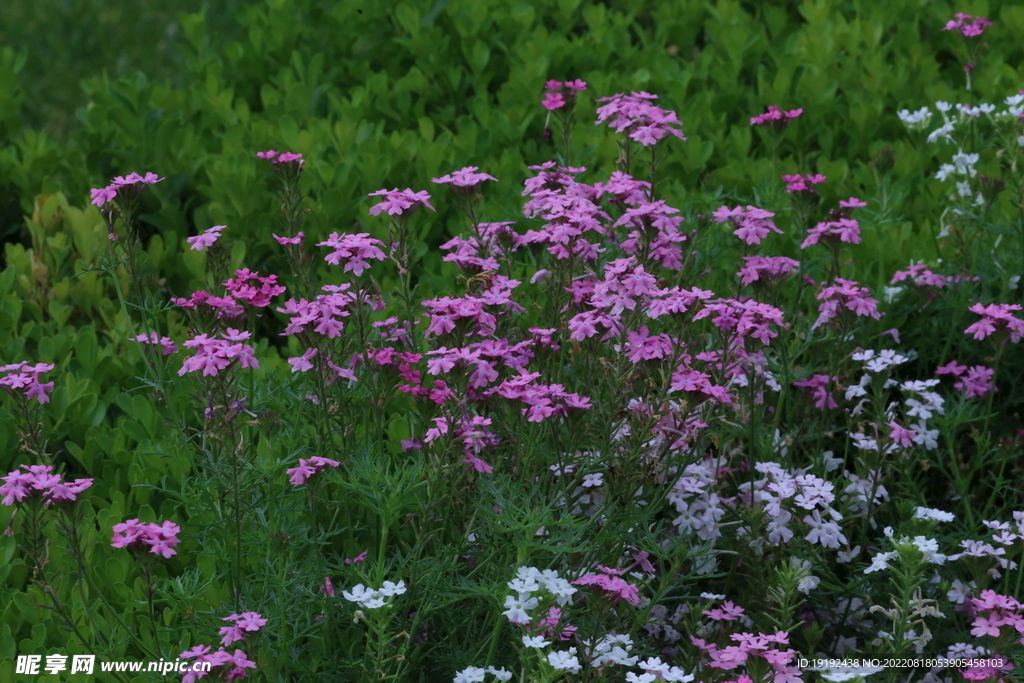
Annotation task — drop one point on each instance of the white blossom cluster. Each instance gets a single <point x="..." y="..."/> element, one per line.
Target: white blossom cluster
<point x="369" y="598"/>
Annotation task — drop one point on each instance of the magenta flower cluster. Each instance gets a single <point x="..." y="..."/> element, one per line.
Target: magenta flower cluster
<point x="752" y="224"/>
<point x="207" y="239"/>
<point x="397" y="203"/>
<point x="154" y="339"/>
<point x="24" y="378"/>
<point x="799" y="183"/>
<point x="276" y="158"/>
<point x="160" y="538"/>
<point x="229" y="666"/>
<point x="848" y="294"/>
<point x="645" y="122"/>
<point x="561" y="93"/>
<point x="104" y="195"/>
<point x="775" y="116"/>
<point x="975" y="382"/>
<point x="354" y="250"/>
<point x="766" y="269"/>
<point x="40" y="479"/>
<point x="213" y="355"/>
<point x="245" y="622"/>
<point x="968" y="26"/>
<point x="610" y="581"/>
<point x="308" y="468"/>
<point x="997" y="320"/>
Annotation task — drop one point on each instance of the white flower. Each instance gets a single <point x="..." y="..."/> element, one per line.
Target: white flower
<point x="390" y="588"/>
<point x="892" y="292"/>
<point x="930" y="548"/>
<point x="965" y="163"/>
<point x="1020" y="141"/>
<point x="844" y="556"/>
<point x="960" y="591"/>
<point x="472" y="674"/>
<point x="516" y="609"/>
<point x="807" y="584"/>
<point x="943" y="106"/>
<point x="933" y="514"/>
<point x="944" y="171"/>
<point x="963" y="188"/>
<point x="915" y="120"/>
<point x="640" y="678"/>
<point x="1013" y="282"/>
<point x="358" y="594"/>
<point x="880" y="561"/>
<point x="929" y="438"/>
<point x="1014" y="100"/>
<point x="987" y="108"/>
<point x="537" y="642"/>
<point x="594" y="479"/>
<point x="524" y="586"/>
<point x="943" y="132"/>
<point x="565" y="661"/>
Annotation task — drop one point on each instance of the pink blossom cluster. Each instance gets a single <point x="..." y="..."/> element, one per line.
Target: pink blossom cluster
<point x="154" y="339"/>
<point x="921" y="276"/>
<point x="543" y="400"/>
<point x="698" y="386"/>
<point x="446" y="313"/>
<point x="285" y="241"/>
<point x="213" y="355"/>
<point x="842" y="230"/>
<point x="396" y="203"/>
<point x="221" y="306"/>
<point x="818" y="384"/>
<point x="741" y="319"/>
<point x="993" y="612"/>
<point x="646" y="123"/>
<point x="276" y="158"/>
<point x="610" y="581"/>
<point x="547" y="626"/>
<point x="465" y="181"/>
<point x="998" y="320"/>
<point x="845" y="293"/>
<point x="571" y="211"/>
<point x="767" y="647"/>
<point x="25" y="378"/>
<point x="975" y="382"/>
<point x="248" y="287"/>
<point x="622" y="188"/>
<point x="474" y="435"/>
<point x="307" y="468"/>
<point x="40" y="479"/>
<point x="561" y="93"/>
<point x="246" y="621"/>
<point x="354" y="250"/>
<point x="231" y="666"/>
<point x="161" y="538"/>
<point x="786" y="495"/>
<point x="967" y="25"/>
<point x="776" y="117"/>
<point x="480" y="251"/>
<point x="324" y="314"/>
<point x="752" y="224"/>
<point x="766" y="269"/>
<point x="656" y="217"/>
<point x="103" y="195"/>
<point x="206" y="239"/>
<point x="800" y="183"/>
<point x="482" y="358"/>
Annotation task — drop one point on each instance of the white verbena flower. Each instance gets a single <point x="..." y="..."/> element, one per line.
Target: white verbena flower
<point x="565" y="660"/>
<point x="536" y="642"/>
<point x="933" y="514"/>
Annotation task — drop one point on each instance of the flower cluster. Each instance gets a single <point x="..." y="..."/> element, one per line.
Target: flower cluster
<point x="997" y="320"/>
<point x="353" y="250"/>
<point x="166" y="343"/>
<point x="466" y="181"/>
<point x="646" y="123"/>
<point x="25" y="378"/>
<point x="530" y="580"/>
<point x="561" y="93"/>
<point x="161" y="538"/>
<point x="396" y="203"/>
<point x="246" y="621"/>
<point x="324" y="314"/>
<point x="480" y="251"/>
<point x="248" y="287"/>
<point x="799" y="183"/>
<point x="610" y="581"/>
<point x="775" y="117"/>
<point x="207" y="239"/>
<point x="41" y="480"/>
<point x="276" y="158"/>
<point x="231" y="666"/>
<point x="975" y="382"/>
<point x="766" y="269"/>
<point x="845" y="293"/>
<point x="369" y="598"/>
<point x="120" y="185"/>
<point x="752" y="224"/>
<point x="446" y="313"/>
<point x="213" y="355"/>
<point x="307" y="468"/>
<point x="968" y="26"/>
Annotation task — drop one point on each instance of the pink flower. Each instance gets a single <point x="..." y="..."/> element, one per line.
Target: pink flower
<point x="354" y="250"/>
<point x="284" y="241"/>
<point x="396" y="202"/>
<point x="997" y="319"/>
<point x="358" y="558"/>
<point x="25" y="377"/>
<point x="775" y="116"/>
<point x="563" y="93"/>
<point x="818" y="384"/>
<point x="465" y="181"/>
<point x="968" y="26"/>
<point x="901" y="435"/>
<point x="646" y="123"/>
<point x="798" y="183"/>
<point x="160" y="538"/>
<point x="207" y="239"/>
<point x="307" y="468"/>
<point x="752" y="224"/>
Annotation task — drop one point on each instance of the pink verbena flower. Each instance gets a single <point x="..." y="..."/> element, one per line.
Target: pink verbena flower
<point x="122" y="184"/>
<point x="645" y="123"/>
<point x="822" y="397"/>
<point x="354" y="250"/>
<point x="975" y="382"/>
<point x="161" y="538"/>
<point x="40" y="479"/>
<point x="798" y="183"/>
<point x="397" y="202"/>
<point x="841" y="230"/>
<point x="464" y="182"/>
<point x="166" y="343"/>
<point x="285" y="241"/>
<point x="206" y="239"/>
<point x="247" y="621"/>
<point x="214" y="355"/>
<point x="766" y="269"/>
<point x="561" y="94"/>
<point x="776" y="117"/>
<point x="845" y="293"/>
<point x="25" y="378"/>
<point x="752" y="224"/>
<point x="248" y="287"/>
<point x="968" y="26"/>
<point x="997" y="320"/>
<point x="307" y="468"/>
